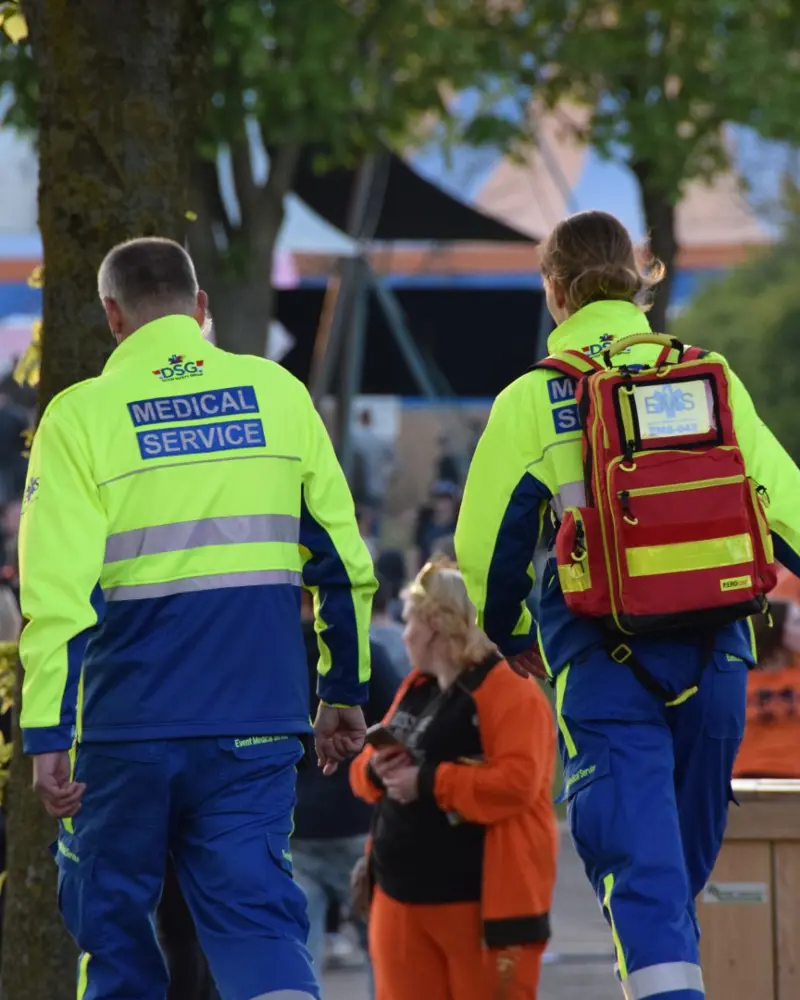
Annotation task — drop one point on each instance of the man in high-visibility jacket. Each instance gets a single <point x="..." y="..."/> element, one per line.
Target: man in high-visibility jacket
<point x="648" y="784"/>
<point x="174" y="506"/>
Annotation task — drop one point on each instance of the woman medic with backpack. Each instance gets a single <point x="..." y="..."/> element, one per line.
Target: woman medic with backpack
<point x="663" y="500"/>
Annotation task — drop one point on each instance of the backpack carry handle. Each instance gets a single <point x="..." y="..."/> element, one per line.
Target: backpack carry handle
<point x="669" y="344"/>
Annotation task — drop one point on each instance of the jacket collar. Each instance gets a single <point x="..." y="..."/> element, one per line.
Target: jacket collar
<point x="590" y="329"/>
<point x="175" y="334"/>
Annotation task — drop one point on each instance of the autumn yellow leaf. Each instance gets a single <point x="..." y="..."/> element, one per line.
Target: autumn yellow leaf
<point x="191" y="216"/>
<point x="15" y="26"/>
<point x="28" y="366"/>
<point x="36" y="277"/>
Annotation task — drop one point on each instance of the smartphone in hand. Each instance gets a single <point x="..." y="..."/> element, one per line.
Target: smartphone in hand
<point x="382" y="738"/>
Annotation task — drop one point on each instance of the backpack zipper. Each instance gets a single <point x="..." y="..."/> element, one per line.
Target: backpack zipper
<point x="698" y="484"/>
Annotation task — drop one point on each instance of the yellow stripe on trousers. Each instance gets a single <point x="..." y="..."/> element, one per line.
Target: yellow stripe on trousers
<point x="608" y="885"/>
<point x="83" y="974"/>
<point x="73" y="753"/>
<point x="561" y="689"/>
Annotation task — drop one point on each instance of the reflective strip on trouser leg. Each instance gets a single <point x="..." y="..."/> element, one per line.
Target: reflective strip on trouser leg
<point x="83" y="974"/>
<point x="285" y="995"/>
<point x="669" y="977"/>
<point x="608" y="885"/>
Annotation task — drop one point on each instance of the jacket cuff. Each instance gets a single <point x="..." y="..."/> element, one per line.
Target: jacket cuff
<point x="515" y="644"/>
<point x="426" y="782"/>
<point x="335" y="693"/>
<point x="47" y="739"/>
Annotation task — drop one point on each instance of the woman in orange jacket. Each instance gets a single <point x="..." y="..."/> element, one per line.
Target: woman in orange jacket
<point x="463" y="853"/>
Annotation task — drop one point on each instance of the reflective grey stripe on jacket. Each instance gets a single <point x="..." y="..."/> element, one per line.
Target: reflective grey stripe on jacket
<point x="569" y="495"/>
<point x="182" y="535"/>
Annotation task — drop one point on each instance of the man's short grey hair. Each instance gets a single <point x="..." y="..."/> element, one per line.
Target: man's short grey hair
<point x="149" y="278"/>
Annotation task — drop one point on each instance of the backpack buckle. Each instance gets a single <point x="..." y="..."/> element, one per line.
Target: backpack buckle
<point x="621" y="653"/>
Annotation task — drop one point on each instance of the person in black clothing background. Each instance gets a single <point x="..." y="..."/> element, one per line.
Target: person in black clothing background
<point x="330" y="824"/>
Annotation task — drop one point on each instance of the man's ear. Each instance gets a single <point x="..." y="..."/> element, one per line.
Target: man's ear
<point x="116" y="322"/>
<point x="201" y="310"/>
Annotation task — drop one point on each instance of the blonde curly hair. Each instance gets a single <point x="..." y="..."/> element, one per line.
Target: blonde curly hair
<point x="438" y="596"/>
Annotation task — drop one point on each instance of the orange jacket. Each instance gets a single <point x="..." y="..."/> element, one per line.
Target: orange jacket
<point x="771" y="744"/>
<point x="509" y="793"/>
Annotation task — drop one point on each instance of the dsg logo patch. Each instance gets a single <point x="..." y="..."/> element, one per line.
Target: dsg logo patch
<point x="178" y="368"/>
<point x="30" y="492"/>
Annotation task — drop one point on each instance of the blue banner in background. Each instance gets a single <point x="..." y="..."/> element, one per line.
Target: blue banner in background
<point x="17" y="298"/>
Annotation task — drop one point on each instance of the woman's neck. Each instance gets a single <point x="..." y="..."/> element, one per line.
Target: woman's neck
<point x="445" y="674"/>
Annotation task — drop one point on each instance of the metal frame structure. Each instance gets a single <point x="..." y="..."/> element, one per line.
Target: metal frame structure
<point x="338" y="359"/>
<point x="341" y="336"/>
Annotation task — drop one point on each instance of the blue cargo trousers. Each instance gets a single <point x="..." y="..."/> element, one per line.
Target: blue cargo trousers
<point x="648" y="788"/>
<point x="222" y="807"/>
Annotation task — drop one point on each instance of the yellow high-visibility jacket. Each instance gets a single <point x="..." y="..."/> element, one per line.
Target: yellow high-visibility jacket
<point x="529" y="458"/>
<point x="174" y="506"/>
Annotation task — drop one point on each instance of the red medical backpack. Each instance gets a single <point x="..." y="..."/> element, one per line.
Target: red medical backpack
<point x="673" y="532"/>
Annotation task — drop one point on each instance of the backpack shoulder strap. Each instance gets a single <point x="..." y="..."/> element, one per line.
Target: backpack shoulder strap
<point x="574" y="364"/>
<point x="674" y="352"/>
<point x="694" y="353"/>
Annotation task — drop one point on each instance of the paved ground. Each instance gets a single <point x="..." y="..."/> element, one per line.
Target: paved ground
<point x="580" y="960"/>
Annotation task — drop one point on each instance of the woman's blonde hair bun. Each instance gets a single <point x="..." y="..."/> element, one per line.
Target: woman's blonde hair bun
<point x="438" y="596"/>
<point x="591" y="256"/>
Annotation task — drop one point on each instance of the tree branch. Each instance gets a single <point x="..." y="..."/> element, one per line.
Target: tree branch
<point x="283" y="162"/>
<point x="209" y="209"/>
<point x="205" y="178"/>
<point x="247" y="191"/>
<point x="271" y="203"/>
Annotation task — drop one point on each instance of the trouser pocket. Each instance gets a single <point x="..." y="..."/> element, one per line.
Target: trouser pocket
<point x="75" y="872"/>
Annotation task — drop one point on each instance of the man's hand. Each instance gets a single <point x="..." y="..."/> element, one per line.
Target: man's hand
<point x="338" y="734"/>
<point x="402" y="784"/>
<point x="529" y="663"/>
<point x="51" y="782"/>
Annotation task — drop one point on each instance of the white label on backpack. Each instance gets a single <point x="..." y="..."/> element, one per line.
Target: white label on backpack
<point x="674" y="409"/>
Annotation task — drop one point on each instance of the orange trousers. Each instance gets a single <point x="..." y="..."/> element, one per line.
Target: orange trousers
<point x="434" y="952"/>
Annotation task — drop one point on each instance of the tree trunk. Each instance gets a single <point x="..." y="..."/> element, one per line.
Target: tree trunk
<point x="120" y="96"/>
<point x="659" y="214"/>
<point x="238" y="277"/>
<point x="242" y="312"/>
<point x="38" y="955"/>
<point x="120" y="92"/>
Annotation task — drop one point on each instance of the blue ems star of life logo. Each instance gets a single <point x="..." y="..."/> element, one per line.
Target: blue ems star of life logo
<point x="178" y="368"/>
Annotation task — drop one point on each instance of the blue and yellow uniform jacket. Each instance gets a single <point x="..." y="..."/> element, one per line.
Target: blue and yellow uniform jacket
<point x="529" y="459"/>
<point x="174" y="506"/>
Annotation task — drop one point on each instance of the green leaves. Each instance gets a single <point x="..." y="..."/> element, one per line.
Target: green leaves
<point x="347" y="74"/>
<point x="663" y="76"/>
<point x="343" y="74"/>
<point x="752" y="317"/>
